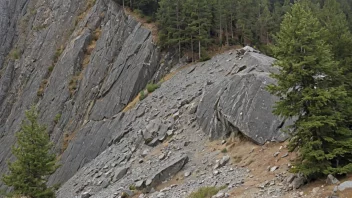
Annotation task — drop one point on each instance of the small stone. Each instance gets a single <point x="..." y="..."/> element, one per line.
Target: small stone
<point x="148" y="182"/>
<point x="145" y="153"/>
<point x="86" y="195"/>
<point x="276" y="154"/>
<point x="331" y="180"/>
<point x="139" y="184"/>
<point x="315" y="190"/>
<point x="161" y="195"/>
<point x="223" y="142"/>
<point x="224" y="160"/>
<point x="170" y="132"/>
<point x="284" y="155"/>
<point x="140" y="161"/>
<point x="220" y="195"/>
<point x="216" y="172"/>
<point x="162" y="156"/>
<point x="165" y="189"/>
<point x="187" y="173"/>
<point x="274" y="168"/>
<point x="301" y="193"/>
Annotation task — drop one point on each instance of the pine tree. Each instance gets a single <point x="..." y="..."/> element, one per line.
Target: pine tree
<point x="28" y="174"/>
<point x="310" y="88"/>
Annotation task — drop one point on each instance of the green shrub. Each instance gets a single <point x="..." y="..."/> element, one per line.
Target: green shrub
<point x="57" y="118"/>
<point x="224" y="150"/>
<point x="51" y="68"/>
<point x="139" y="13"/>
<point x="149" y="19"/>
<point x="132" y="187"/>
<point x="152" y="87"/>
<point x="206" y="192"/>
<point x="204" y="57"/>
<point x="142" y="95"/>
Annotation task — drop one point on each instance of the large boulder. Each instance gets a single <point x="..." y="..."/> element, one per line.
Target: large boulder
<point x="241" y="104"/>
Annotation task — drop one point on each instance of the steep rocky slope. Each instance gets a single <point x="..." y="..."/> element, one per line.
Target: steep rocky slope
<point x="161" y="136"/>
<point x="82" y="62"/>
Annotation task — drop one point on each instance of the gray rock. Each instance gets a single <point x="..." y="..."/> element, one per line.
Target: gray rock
<point x="187" y="174"/>
<point x="345" y="185"/>
<point x="168" y="171"/>
<point x="193" y="108"/>
<point x="243" y="105"/>
<point x="274" y="168"/>
<point x="216" y="172"/>
<point x="162" y="156"/>
<point x="140" y="184"/>
<point x="145" y="152"/>
<point x="119" y="173"/>
<point x="332" y="180"/>
<point x="161" y="195"/>
<point x="219" y="195"/>
<point x="224" y="160"/>
<point x="298" y="181"/>
<point x="85" y="195"/>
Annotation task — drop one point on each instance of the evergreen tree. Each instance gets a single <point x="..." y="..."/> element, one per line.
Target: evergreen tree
<point x="310" y="86"/>
<point x="28" y="174"/>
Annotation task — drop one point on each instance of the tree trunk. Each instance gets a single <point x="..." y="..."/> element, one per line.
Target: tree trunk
<point x="227" y="35"/>
<point x="231" y="27"/>
<point x="199" y="50"/>
<point x="192" y="48"/>
<point x="220" y="29"/>
<point x="179" y="31"/>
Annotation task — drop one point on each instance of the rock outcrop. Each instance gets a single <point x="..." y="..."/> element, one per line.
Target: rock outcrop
<point x="241" y="103"/>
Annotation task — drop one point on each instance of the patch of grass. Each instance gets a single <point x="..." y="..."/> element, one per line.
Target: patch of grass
<point x="206" y="192"/>
<point x="40" y="27"/>
<point x="42" y="86"/>
<point x="142" y="95"/>
<point x="51" y="68"/>
<point x="58" y="54"/>
<point x="57" y="118"/>
<point x="224" y="150"/>
<point x="15" y="54"/>
<point x="152" y="87"/>
<point x="132" y="187"/>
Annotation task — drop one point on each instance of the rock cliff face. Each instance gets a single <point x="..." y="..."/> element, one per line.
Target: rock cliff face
<point x="82" y="62"/>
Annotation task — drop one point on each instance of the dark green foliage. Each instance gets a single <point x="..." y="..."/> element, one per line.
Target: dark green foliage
<point x="34" y="162"/>
<point x="57" y="118"/>
<point x="192" y="26"/>
<point x="311" y="88"/>
<point x="224" y="150"/>
<point x="152" y="87"/>
<point x="142" y="95"/>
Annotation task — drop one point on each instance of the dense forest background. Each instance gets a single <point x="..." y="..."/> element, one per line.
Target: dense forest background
<point x="197" y="25"/>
